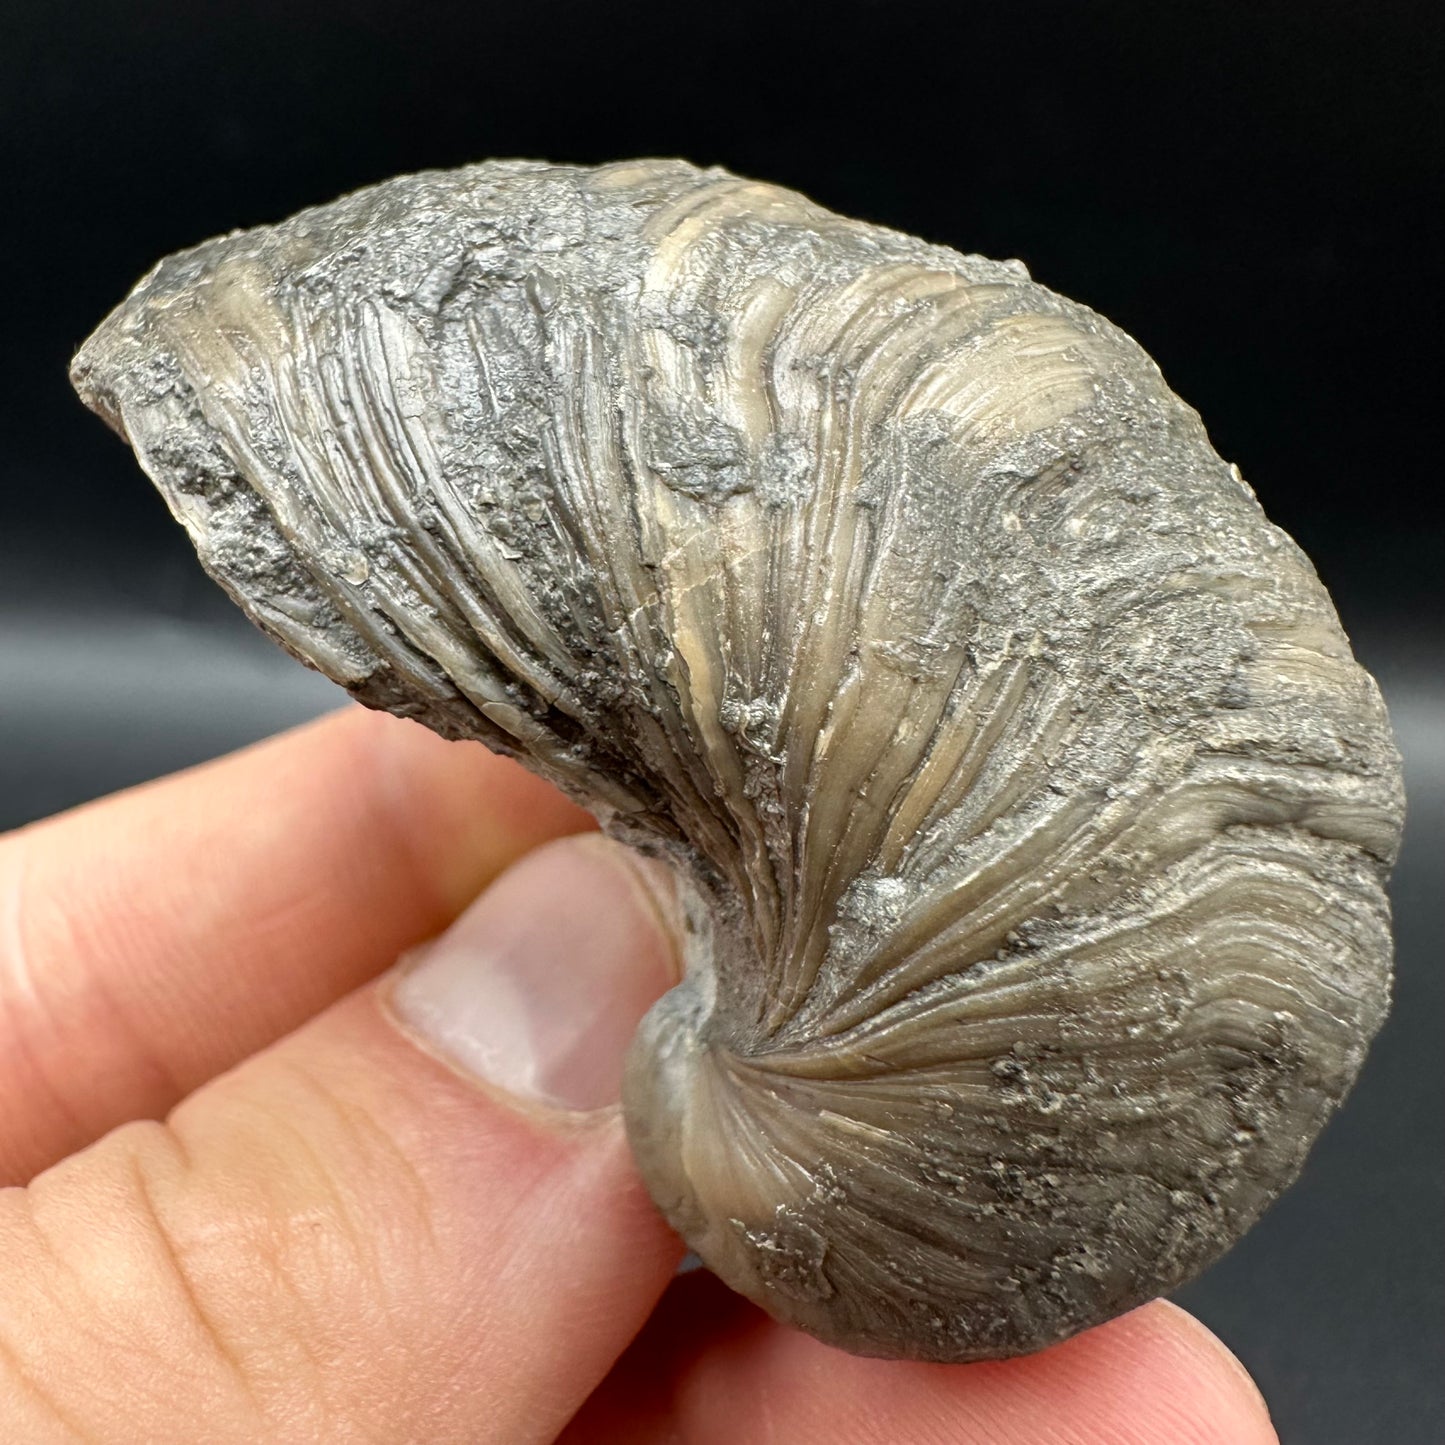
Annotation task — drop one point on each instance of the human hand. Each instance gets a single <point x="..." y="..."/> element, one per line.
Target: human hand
<point x="362" y="1218"/>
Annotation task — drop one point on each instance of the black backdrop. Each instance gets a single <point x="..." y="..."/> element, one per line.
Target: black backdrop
<point x="1249" y="189"/>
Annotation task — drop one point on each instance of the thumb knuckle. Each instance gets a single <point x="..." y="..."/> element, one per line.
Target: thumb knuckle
<point x="138" y="1274"/>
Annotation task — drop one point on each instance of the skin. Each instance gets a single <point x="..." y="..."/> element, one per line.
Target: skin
<point x="243" y="1195"/>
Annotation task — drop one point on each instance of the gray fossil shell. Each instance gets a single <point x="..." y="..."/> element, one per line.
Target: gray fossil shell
<point x="1034" y="814"/>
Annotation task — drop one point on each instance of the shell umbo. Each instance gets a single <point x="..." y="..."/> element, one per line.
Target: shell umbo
<point x="1033" y="812"/>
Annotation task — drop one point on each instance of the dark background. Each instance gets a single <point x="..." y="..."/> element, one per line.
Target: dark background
<point x="1248" y="188"/>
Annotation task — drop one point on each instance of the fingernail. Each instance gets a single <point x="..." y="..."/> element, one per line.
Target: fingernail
<point x="538" y="987"/>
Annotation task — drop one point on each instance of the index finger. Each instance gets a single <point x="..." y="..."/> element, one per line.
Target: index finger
<point x="710" y="1368"/>
<point x="152" y="940"/>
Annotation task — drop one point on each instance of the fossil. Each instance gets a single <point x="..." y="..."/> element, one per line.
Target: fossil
<point x="1033" y="814"/>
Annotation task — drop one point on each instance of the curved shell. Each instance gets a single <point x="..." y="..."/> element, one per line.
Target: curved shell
<point x="1034" y="813"/>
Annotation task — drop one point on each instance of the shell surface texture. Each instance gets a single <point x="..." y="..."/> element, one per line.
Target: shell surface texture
<point x="1032" y="814"/>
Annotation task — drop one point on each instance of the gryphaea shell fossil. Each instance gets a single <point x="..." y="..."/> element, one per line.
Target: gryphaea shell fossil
<point x="1033" y="811"/>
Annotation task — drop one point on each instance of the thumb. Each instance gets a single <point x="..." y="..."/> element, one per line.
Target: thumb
<point x="413" y="1219"/>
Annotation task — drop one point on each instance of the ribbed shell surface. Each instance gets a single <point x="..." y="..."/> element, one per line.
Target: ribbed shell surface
<point x="1033" y="814"/>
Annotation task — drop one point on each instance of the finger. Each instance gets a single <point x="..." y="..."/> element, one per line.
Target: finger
<point x="349" y="1236"/>
<point x="711" y="1368"/>
<point x="151" y="940"/>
